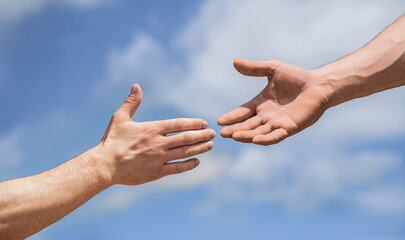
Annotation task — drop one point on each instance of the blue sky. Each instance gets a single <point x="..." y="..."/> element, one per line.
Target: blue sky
<point x="66" y="66"/>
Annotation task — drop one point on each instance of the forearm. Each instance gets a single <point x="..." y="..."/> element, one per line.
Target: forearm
<point x="130" y="153"/>
<point x="30" y="204"/>
<point x="378" y="66"/>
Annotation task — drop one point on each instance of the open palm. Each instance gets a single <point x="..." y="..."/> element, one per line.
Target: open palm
<point x="292" y="100"/>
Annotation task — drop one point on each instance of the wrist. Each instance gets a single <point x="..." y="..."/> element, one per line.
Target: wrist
<point x="103" y="169"/>
<point x="324" y="84"/>
<point x="339" y="80"/>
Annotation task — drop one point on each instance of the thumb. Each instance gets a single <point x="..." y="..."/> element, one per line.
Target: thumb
<point x="132" y="102"/>
<point x="257" y="69"/>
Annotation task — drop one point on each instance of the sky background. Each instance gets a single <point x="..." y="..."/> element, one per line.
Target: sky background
<point x="66" y="66"/>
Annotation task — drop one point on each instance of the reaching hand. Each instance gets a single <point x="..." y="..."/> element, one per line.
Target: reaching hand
<point x="139" y="152"/>
<point x="293" y="99"/>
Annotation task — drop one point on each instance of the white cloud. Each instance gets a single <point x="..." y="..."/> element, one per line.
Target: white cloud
<point x="15" y="9"/>
<point x="211" y="166"/>
<point x="380" y="116"/>
<point x="308" y="34"/>
<point x="389" y="200"/>
<point x="86" y="3"/>
<point x="299" y="183"/>
<point x="316" y="167"/>
<point x="12" y="10"/>
<point x="143" y="61"/>
<point x="139" y="58"/>
<point x="258" y="166"/>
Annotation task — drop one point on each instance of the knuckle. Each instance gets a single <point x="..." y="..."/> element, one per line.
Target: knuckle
<point x="152" y="130"/>
<point x="270" y="72"/>
<point x="273" y="67"/>
<point x="179" y="123"/>
<point x="267" y="128"/>
<point x="262" y="119"/>
<point x="160" y="152"/>
<point x="197" y="123"/>
<point x="158" y="147"/>
<point x="130" y="100"/>
<point x="185" y="151"/>
<point x="207" y="134"/>
<point x="163" y="154"/>
<point x="202" y="148"/>
<point x="187" y="138"/>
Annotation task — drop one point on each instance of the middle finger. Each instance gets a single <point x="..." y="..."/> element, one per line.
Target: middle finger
<point x="189" y="138"/>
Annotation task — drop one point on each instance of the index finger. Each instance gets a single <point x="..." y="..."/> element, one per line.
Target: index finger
<point x="237" y="115"/>
<point x="181" y="124"/>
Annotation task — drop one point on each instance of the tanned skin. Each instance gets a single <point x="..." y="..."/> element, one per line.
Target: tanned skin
<point x="130" y="153"/>
<point x="295" y="98"/>
<point x="133" y="153"/>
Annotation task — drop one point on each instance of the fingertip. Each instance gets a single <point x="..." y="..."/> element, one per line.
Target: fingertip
<point x="196" y="162"/>
<point x="221" y="121"/>
<point x="132" y="102"/>
<point x="204" y="124"/>
<point x="212" y="134"/>
<point x="135" y="88"/>
<point x="237" y="62"/>
<point x="241" y="136"/>
<point x="136" y="92"/>
<point x="236" y="135"/>
<point x="225" y="133"/>
<point x="241" y="65"/>
<point x="210" y="145"/>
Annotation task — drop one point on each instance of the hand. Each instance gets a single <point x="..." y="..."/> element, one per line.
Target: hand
<point x="138" y="152"/>
<point x="293" y="99"/>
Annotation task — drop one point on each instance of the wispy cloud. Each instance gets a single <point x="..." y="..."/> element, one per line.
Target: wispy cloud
<point x="86" y="3"/>
<point x="321" y="164"/>
<point x="383" y="200"/>
<point x="13" y="10"/>
<point x="212" y="166"/>
<point x="301" y="183"/>
<point x="318" y="166"/>
<point x="141" y="61"/>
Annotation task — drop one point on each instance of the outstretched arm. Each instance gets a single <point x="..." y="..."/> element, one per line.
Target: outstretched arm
<point x="295" y="98"/>
<point x="130" y="153"/>
<point x="378" y="66"/>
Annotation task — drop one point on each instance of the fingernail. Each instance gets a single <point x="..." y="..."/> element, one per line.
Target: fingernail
<point x="134" y="89"/>
<point x="204" y="124"/>
<point x="212" y="134"/>
<point x="196" y="162"/>
<point x="210" y="145"/>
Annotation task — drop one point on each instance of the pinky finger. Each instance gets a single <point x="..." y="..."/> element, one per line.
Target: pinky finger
<point x="179" y="167"/>
<point x="274" y="137"/>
